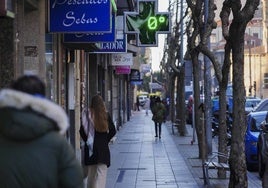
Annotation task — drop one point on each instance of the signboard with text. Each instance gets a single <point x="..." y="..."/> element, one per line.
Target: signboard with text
<point x="120" y="59"/>
<point x="135" y="76"/>
<point x="122" y="69"/>
<point x="91" y="37"/>
<point x="119" y="46"/>
<point x="77" y="16"/>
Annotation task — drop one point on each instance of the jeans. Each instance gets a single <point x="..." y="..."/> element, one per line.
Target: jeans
<point x="157" y="127"/>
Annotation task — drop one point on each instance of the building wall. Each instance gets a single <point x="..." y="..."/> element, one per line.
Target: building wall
<point x="7" y="59"/>
<point x="257" y="69"/>
<point x="265" y="24"/>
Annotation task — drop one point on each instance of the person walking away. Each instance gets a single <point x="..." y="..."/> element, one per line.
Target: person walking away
<point x="34" y="150"/>
<point x="138" y="103"/>
<point x="152" y="102"/>
<point x="104" y="128"/>
<point x="147" y="105"/>
<point x="159" y="112"/>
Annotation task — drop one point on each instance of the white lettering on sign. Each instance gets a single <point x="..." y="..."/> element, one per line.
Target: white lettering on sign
<point x="80" y="35"/>
<point x="112" y="46"/>
<point x="78" y="2"/>
<point x="71" y="19"/>
<point x="122" y="59"/>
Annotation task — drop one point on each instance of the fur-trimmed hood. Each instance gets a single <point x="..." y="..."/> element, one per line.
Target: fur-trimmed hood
<point x="20" y="101"/>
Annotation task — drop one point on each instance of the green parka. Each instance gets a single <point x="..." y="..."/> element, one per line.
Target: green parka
<point x="34" y="152"/>
<point x="159" y="112"/>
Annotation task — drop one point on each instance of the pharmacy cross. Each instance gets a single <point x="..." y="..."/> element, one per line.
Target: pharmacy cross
<point x="147" y="23"/>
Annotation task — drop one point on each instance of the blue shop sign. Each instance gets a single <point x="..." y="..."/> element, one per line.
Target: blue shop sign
<point x="91" y="37"/>
<point x="136" y="82"/>
<point x="72" y="16"/>
<point x="119" y="46"/>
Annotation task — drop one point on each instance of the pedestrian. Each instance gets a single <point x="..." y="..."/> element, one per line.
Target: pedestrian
<point x="165" y="102"/>
<point x="147" y="105"/>
<point x="152" y="101"/>
<point x="189" y="118"/>
<point x="159" y="112"/>
<point x="34" y="150"/>
<point x="104" y="128"/>
<point x="138" y="103"/>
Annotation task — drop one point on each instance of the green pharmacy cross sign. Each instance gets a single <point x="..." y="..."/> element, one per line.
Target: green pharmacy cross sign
<point x="147" y="23"/>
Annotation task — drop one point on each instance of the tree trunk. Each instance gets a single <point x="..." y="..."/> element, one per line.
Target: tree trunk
<point x="223" y="107"/>
<point x="181" y="105"/>
<point x="199" y="125"/>
<point x="238" y="176"/>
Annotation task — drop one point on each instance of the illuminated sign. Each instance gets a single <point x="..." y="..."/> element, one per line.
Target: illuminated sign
<point x="79" y="16"/>
<point x="147" y="23"/>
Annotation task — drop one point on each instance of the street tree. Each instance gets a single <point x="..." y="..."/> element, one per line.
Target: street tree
<point x="205" y="27"/>
<point x="234" y="35"/>
<point x="173" y="65"/>
<point x="193" y="36"/>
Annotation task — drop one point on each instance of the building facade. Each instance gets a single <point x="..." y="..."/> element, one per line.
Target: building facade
<point x="72" y="72"/>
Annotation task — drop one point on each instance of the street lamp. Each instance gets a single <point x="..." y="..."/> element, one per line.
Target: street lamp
<point x="249" y="56"/>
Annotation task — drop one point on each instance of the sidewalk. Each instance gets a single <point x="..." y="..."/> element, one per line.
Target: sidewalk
<point x="139" y="160"/>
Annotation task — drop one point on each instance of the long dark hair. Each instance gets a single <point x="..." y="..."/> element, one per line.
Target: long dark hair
<point x="99" y="114"/>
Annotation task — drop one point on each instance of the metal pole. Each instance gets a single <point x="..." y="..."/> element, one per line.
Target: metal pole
<point x="249" y="56"/>
<point x="181" y="26"/>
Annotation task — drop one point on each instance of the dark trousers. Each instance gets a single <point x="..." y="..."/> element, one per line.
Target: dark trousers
<point x="157" y="127"/>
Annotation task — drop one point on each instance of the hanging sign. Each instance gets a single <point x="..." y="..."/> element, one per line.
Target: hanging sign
<point x="122" y="69"/>
<point x="119" y="46"/>
<point x="147" y="23"/>
<point x="135" y="76"/>
<point x="91" y="37"/>
<point x="79" y="16"/>
<point x="6" y="8"/>
<point x="122" y="59"/>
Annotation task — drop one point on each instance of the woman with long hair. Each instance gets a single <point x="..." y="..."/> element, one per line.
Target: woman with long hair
<point x="99" y="161"/>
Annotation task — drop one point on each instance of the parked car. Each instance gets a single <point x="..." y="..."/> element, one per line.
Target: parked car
<point x="262" y="106"/>
<point x="254" y="121"/>
<point x="263" y="147"/>
<point x="250" y="103"/>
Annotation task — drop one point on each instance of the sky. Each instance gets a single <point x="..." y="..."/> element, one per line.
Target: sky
<point x="157" y="52"/>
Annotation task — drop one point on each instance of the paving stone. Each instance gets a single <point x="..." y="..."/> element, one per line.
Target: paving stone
<point x="139" y="160"/>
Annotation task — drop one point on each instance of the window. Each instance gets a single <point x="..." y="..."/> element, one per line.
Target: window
<point x="256" y="35"/>
<point x="265" y="81"/>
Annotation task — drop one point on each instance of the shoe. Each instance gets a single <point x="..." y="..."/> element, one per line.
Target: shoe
<point x="159" y="137"/>
<point x="155" y="136"/>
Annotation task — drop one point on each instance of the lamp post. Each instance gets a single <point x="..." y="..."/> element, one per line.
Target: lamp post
<point x="249" y="56"/>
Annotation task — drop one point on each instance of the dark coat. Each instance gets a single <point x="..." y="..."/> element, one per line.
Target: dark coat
<point x="159" y="112"/>
<point x="34" y="152"/>
<point x="101" y="151"/>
